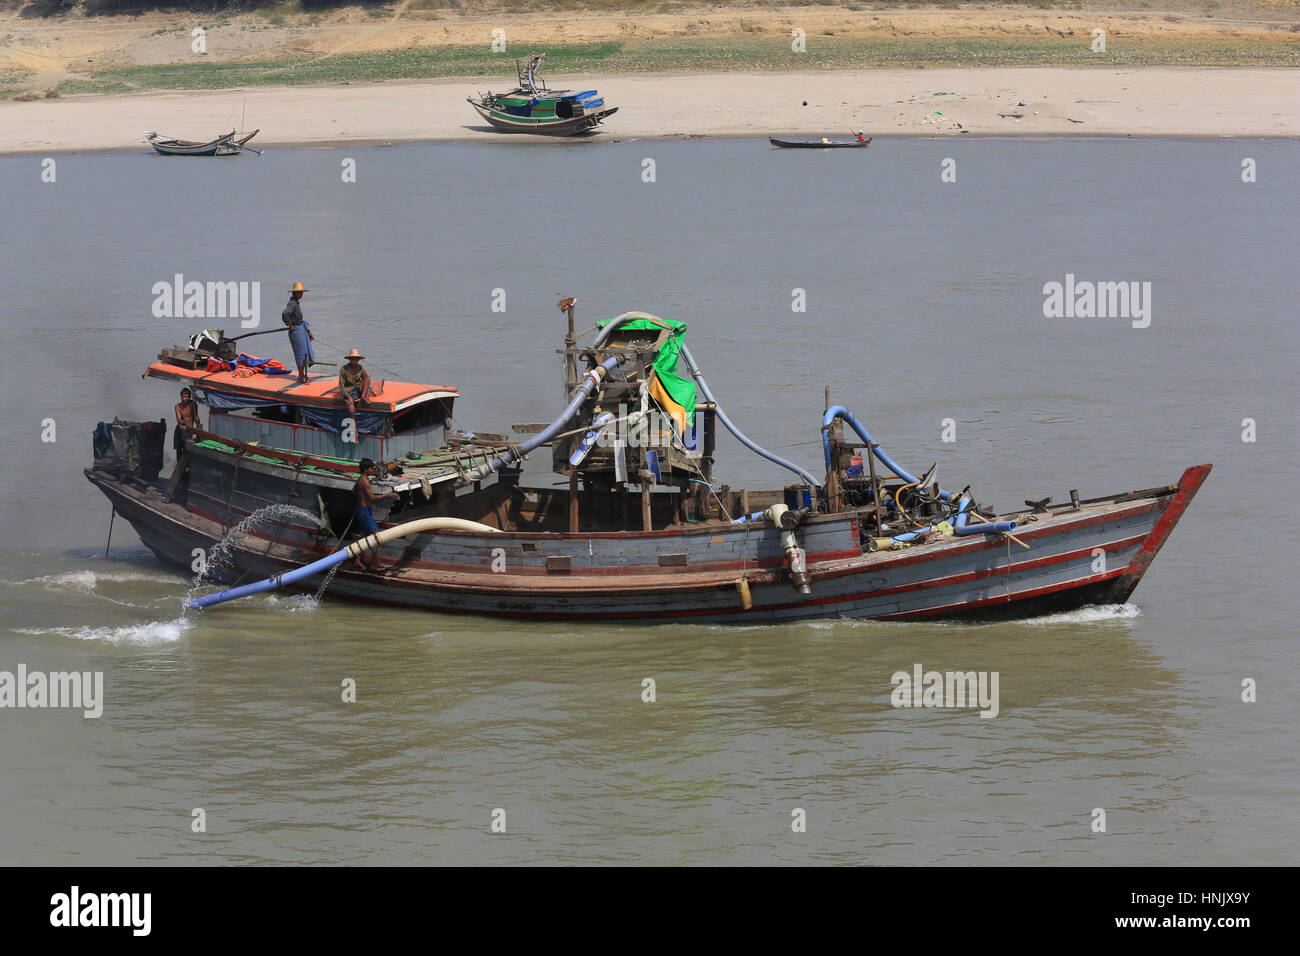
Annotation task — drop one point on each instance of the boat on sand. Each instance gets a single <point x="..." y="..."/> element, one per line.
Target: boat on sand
<point x="532" y="108"/>
<point x="228" y="144"/>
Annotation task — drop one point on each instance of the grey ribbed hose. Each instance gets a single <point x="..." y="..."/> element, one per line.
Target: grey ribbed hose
<point x="580" y="395"/>
<point x="741" y="437"/>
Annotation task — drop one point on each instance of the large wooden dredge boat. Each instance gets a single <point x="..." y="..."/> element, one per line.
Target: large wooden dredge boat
<point x="643" y="532"/>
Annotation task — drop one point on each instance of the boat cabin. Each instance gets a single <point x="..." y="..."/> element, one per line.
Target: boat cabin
<point x="276" y="411"/>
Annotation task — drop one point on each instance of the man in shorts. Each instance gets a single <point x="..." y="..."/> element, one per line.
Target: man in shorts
<point x="366" y="497"/>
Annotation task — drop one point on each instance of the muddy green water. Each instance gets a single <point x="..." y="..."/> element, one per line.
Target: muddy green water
<point x="925" y="303"/>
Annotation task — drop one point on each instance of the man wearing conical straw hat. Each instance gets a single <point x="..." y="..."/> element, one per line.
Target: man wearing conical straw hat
<point x="300" y="337"/>
<point x="354" y="383"/>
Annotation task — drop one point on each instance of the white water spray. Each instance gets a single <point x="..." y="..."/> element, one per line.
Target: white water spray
<point x="222" y="555"/>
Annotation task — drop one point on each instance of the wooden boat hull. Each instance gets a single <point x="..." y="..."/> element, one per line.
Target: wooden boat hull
<point x="207" y="149"/>
<point x="1094" y="555"/>
<point x="550" y="126"/>
<point x="226" y="145"/>
<point x="812" y="144"/>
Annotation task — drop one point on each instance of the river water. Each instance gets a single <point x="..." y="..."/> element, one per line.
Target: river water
<point x="924" y="303"/>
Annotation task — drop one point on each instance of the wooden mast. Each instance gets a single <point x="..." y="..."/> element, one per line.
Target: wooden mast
<point x="834" y="500"/>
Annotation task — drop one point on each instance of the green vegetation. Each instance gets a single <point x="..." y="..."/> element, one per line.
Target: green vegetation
<point x="8" y="79"/>
<point x="416" y="8"/>
<point x="734" y="54"/>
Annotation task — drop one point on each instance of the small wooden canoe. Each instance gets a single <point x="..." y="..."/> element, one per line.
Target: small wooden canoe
<point x="226" y="145"/>
<point x="821" y="143"/>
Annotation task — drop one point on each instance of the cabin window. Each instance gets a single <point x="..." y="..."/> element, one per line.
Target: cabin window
<point x="424" y="415"/>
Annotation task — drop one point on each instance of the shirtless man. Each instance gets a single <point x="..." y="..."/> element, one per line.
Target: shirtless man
<point x="365" y="518"/>
<point x="187" y="417"/>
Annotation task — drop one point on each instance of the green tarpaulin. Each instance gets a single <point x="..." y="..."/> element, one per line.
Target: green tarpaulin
<point x="680" y="390"/>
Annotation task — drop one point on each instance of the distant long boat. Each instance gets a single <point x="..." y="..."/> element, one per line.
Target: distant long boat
<point x="226" y="145"/>
<point x="860" y="143"/>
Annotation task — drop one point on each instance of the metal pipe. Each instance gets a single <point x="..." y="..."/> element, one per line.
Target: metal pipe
<point x="796" y="558"/>
<point x="356" y="548"/>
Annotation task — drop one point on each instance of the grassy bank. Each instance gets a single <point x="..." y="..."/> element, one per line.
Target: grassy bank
<point x="738" y="54"/>
<point x="13" y="83"/>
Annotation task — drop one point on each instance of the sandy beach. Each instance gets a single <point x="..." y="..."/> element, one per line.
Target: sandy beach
<point x="979" y="102"/>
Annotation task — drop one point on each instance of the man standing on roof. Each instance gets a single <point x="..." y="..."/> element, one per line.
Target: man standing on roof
<point x="354" y="384"/>
<point x="300" y="337"/>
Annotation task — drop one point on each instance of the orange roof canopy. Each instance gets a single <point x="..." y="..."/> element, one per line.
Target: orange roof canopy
<point x="322" y="391"/>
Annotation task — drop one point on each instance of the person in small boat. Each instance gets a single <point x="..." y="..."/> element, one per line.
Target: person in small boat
<point x="862" y="137"/>
<point x="300" y="337"/>
<point x="187" y="417"/>
<point x="354" y="383"/>
<point x="366" y="498"/>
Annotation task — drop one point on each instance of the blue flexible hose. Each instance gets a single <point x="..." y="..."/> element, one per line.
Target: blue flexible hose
<point x="270" y="584"/>
<point x="839" y="411"/>
<point x="961" y="526"/>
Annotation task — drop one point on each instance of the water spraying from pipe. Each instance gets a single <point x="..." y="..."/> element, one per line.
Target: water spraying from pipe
<point x="355" y="549"/>
<point x="219" y="559"/>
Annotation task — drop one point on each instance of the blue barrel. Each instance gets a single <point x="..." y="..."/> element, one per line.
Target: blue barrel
<point x="798" y="496"/>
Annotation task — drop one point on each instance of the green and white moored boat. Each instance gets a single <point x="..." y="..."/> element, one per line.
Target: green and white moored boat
<point x="532" y="108"/>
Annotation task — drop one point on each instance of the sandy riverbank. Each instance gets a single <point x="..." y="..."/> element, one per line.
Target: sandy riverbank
<point x="1046" y="101"/>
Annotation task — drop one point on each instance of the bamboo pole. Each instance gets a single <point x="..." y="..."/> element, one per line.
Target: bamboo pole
<point x="570" y="341"/>
<point x="875" y="485"/>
